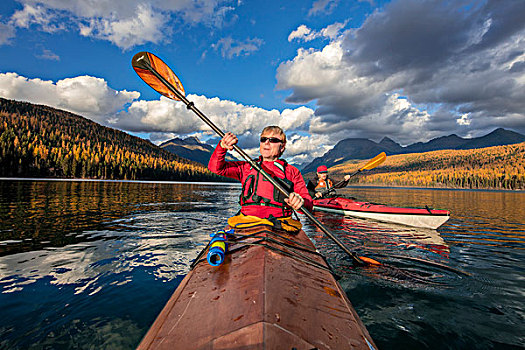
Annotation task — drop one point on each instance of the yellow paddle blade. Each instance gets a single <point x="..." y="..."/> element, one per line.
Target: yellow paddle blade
<point x="144" y="62"/>
<point x="369" y="261"/>
<point x="372" y="163"/>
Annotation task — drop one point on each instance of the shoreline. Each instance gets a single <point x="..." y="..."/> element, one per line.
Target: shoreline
<point x="237" y="184"/>
<point x="438" y="188"/>
<point x="125" y="181"/>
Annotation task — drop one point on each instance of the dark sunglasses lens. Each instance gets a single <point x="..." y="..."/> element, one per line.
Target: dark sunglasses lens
<point x="271" y="139"/>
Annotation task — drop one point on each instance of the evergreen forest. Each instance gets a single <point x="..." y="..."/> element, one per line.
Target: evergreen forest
<point x="40" y="141"/>
<point x="498" y="167"/>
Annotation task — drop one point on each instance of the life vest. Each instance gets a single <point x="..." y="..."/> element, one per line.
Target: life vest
<point x="256" y="190"/>
<point x="285" y="223"/>
<point x="324" y="185"/>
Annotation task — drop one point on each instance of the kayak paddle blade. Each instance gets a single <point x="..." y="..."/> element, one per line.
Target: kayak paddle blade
<point x="144" y="63"/>
<point x="372" y="163"/>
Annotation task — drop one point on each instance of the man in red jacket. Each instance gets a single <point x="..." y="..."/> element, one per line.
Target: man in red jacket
<point x="258" y="196"/>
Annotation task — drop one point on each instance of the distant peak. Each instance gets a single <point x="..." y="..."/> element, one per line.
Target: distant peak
<point x="500" y="131"/>
<point x="193" y="140"/>
<point x="387" y="139"/>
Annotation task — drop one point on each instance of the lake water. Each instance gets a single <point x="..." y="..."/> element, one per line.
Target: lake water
<point x="90" y="264"/>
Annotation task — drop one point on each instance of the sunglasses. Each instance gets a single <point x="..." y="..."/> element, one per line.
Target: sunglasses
<point x="271" y="139"/>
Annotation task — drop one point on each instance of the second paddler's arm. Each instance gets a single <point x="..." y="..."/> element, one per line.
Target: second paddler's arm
<point x="342" y="183"/>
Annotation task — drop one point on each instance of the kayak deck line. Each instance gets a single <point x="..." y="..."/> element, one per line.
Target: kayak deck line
<point x="260" y="242"/>
<point x="260" y="298"/>
<point x="417" y="217"/>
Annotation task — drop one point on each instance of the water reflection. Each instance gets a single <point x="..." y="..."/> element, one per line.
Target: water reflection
<point x="77" y="207"/>
<point x="90" y="264"/>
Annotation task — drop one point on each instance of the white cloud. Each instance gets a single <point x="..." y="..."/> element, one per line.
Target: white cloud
<point x="306" y="34"/>
<point x="306" y="147"/>
<point x="333" y="30"/>
<point x="48" y="55"/>
<point x="146" y="26"/>
<point x="37" y="15"/>
<point x="323" y="6"/>
<point x="302" y="33"/>
<point x="7" y="32"/>
<point x="165" y="115"/>
<point x="230" y="48"/>
<point x="125" y="23"/>
<point x="91" y="97"/>
<point x="412" y="85"/>
<point x="88" y="96"/>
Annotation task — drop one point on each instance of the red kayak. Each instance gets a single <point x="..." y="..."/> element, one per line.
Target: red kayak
<point x="417" y="217"/>
<point x="273" y="290"/>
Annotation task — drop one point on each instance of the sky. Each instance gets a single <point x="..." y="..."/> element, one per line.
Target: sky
<point x="324" y="70"/>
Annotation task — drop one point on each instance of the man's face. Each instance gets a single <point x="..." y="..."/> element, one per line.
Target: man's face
<point x="271" y="151"/>
<point x="322" y="176"/>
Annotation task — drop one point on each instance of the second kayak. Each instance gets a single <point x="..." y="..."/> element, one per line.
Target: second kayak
<point x="417" y="217"/>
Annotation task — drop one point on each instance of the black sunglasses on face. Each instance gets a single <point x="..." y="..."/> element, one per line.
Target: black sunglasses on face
<point x="271" y="139"/>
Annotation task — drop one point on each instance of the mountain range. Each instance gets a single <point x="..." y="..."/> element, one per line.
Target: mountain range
<point x="191" y="148"/>
<point x="359" y="148"/>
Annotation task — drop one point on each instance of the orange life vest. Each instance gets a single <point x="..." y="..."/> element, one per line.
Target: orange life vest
<point x="324" y="185"/>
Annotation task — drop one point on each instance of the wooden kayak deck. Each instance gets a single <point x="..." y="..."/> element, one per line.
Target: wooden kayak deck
<point x="265" y="295"/>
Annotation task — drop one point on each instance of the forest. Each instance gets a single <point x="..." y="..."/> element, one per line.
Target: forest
<point x="498" y="167"/>
<point x="40" y="141"/>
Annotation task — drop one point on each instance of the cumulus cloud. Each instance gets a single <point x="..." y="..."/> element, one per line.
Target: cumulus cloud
<point x="91" y="97"/>
<point x="230" y="48"/>
<point x="37" y="15"/>
<point x="146" y="26"/>
<point x="303" y="33"/>
<point x="416" y="70"/>
<point x="165" y="115"/>
<point x="125" y="23"/>
<point x="88" y="96"/>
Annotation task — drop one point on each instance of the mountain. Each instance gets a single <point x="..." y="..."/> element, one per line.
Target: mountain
<point x="358" y="148"/>
<point x="498" y="137"/>
<point x="191" y="148"/>
<point x="390" y="145"/>
<point x="345" y="150"/>
<point x="41" y="141"/>
<point x="445" y="142"/>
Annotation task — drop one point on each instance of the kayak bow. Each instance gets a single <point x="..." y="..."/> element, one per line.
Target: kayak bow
<point x="273" y="291"/>
<point x="417" y="217"/>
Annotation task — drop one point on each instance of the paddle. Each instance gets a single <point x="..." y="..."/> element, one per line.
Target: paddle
<point x="162" y="79"/>
<point x="371" y="164"/>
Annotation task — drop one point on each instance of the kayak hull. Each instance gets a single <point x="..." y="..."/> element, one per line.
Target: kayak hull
<point x="416" y="217"/>
<point x="260" y="298"/>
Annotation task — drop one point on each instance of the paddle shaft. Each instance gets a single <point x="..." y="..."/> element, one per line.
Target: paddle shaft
<point x="190" y="105"/>
<point x="371" y="164"/>
<point x="338" y="184"/>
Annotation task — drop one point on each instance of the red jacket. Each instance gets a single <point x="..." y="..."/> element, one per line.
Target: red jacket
<point x="242" y="170"/>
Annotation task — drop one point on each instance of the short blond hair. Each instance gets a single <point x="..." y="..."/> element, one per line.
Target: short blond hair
<point x="276" y="129"/>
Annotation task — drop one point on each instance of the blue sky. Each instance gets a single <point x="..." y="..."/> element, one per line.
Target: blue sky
<point x="325" y="70"/>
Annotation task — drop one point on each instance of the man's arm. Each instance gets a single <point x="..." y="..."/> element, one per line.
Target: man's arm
<point x="220" y="166"/>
